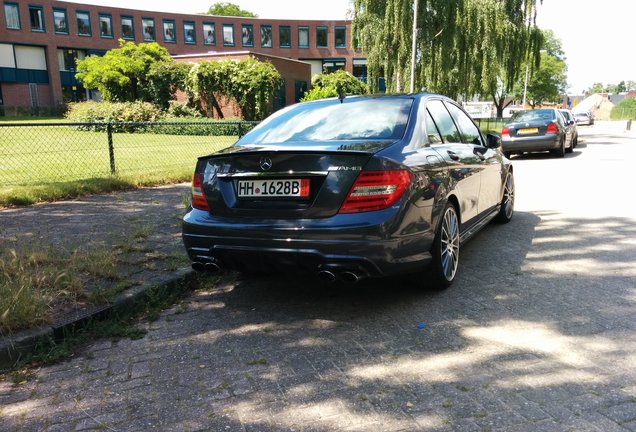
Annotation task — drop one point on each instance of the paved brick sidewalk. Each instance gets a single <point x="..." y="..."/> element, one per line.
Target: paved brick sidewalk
<point x="141" y="227"/>
<point x="537" y="334"/>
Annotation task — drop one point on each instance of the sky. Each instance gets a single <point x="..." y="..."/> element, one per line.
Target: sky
<point x="598" y="37"/>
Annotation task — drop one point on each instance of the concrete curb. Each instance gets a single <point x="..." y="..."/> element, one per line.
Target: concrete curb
<point x="14" y="347"/>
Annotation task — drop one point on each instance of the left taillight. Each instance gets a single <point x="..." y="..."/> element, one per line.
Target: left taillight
<point x="376" y="190"/>
<point x="198" y="196"/>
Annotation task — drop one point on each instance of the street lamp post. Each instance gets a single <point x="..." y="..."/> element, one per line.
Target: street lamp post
<point x="413" y="45"/>
<point x="525" y="87"/>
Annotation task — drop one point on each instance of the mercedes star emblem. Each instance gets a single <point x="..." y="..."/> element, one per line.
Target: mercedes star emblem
<point x="266" y="163"/>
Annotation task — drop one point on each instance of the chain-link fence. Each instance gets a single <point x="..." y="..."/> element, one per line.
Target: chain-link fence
<point x="488" y="125"/>
<point x="42" y="153"/>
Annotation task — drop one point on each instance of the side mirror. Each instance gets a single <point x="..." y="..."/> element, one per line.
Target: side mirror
<point x="571" y="122"/>
<point x="493" y="141"/>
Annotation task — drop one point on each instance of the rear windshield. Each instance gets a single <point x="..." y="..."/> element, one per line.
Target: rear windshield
<point x="540" y="114"/>
<point x="329" y="120"/>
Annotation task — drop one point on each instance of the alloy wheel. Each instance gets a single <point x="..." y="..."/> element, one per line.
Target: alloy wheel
<point x="449" y="244"/>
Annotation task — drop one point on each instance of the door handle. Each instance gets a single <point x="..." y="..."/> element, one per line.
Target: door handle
<point x="452" y="155"/>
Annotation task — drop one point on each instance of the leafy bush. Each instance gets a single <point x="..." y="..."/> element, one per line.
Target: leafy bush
<point x="335" y="84"/>
<point x="99" y="113"/>
<point x="198" y="126"/>
<point x="180" y="109"/>
<point x="624" y="110"/>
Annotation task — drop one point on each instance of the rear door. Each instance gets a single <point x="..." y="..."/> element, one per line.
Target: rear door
<point x="464" y="164"/>
<point x="489" y="159"/>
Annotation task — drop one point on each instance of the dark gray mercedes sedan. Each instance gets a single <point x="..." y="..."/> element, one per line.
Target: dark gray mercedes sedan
<point x="364" y="186"/>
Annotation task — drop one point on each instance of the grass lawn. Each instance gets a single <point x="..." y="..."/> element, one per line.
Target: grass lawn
<point x="53" y="162"/>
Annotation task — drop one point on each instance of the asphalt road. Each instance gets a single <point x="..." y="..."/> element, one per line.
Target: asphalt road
<point x="537" y="334"/>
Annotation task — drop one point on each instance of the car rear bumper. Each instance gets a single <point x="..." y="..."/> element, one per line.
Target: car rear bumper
<point x="338" y="244"/>
<point x="531" y="144"/>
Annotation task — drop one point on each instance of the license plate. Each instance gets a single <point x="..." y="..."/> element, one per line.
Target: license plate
<point x="274" y="188"/>
<point x="528" y="131"/>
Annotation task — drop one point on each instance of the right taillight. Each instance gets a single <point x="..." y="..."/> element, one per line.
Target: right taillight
<point x="198" y="196"/>
<point x="552" y="128"/>
<point x="505" y="132"/>
<point x="376" y="190"/>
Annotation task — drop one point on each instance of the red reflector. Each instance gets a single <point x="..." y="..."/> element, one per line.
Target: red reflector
<point x="552" y="128"/>
<point x="198" y="196"/>
<point x="505" y="131"/>
<point x="376" y="190"/>
<point x="304" y="187"/>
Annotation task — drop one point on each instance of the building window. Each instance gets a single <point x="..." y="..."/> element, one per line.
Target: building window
<point x="284" y="36"/>
<point x="127" y="28"/>
<point x="321" y="37"/>
<point x="169" y="31"/>
<point x="148" y="28"/>
<point x="67" y="58"/>
<point x="340" y="36"/>
<point x="303" y="37"/>
<point x="60" y="21"/>
<point x="83" y="23"/>
<point x="12" y="16"/>
<point x="209" y="34"/>
<point x="228" y="34"/>
<point x="266" y="36"/>
<point x="105" y="26"/>
<point x="247" y="30"/>
<point x="189" y="35"/>
<point x="330" y="66"/>
<point x="36" y="18"/>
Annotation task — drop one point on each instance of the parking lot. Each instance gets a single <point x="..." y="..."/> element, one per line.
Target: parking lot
<point x="537" y="334"/>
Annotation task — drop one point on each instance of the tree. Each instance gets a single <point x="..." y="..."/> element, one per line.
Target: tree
<point x="249" y="82"/>
<point x="547" y="82"/>
<point x="597" y="87"/>
<point x="125" y="73"/>
<point x="339" y="83"/>
<point x="463" y="47"/>
<point x="548" y="79"/>
<point x="229" y="9"/>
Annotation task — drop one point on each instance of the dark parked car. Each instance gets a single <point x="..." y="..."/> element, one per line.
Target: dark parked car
<point x="363" y="187"/>
<point x="537" y="130"/>
<point x="568" y="116"/>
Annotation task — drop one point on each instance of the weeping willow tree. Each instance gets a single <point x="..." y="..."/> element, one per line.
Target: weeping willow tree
<point x="463" y="47"/>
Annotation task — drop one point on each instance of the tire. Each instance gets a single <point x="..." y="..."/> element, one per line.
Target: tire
<point x="446" y="249"/>
<point x="571" y="148"/>
<point x="576" y="141"/>
<point x="507" y="208"/>
<point x="560" y="152"/>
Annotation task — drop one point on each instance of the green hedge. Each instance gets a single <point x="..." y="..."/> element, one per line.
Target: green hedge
<point x="624" y="110"/>
<point x="100" y="113"/>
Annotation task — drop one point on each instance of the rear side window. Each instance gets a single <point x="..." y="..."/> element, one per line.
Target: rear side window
<point x="443" y="120"/>
<point x="431" y="130"/>
<point x="470" y="132"/>
<point x="329" y="120"/>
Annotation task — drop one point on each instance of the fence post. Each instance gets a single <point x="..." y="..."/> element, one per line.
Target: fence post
<point x="240" y="129"/>
<point x="111" y="149"/>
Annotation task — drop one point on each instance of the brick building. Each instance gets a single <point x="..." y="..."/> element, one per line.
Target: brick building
<point x="40" y="41"/>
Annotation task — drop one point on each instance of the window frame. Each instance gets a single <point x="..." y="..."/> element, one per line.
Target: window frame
<point x="90" y="27"/>
<point x="109" y="17"/>
<point x="213" y="25"/>
<point x="326" y="29"/>
<point x="39" y="8"/>
<point x="335" y="37"/>
<point x="271" y="35"/>
<point x="6" y="23"/>
<point x="65" y="12"/>
<point x="233" y="41"/>
<point x="132" y="26"/>
<point x="143" y="29"/>
<point x="185" y="33"/>
<point x="306" y="29"/>
<point x="243" y="27"/>
<point x="280" y="32"/>
<point x="167" y="22"/>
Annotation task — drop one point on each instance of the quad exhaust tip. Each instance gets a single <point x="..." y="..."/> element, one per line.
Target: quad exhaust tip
<point x="327" y="276"/>
<point x="211" y="267"/>
<point x="348" y="276"/>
